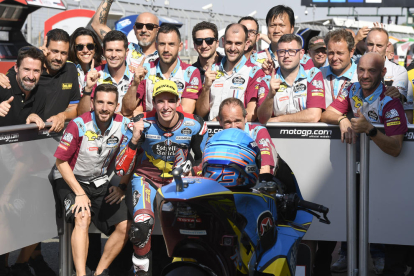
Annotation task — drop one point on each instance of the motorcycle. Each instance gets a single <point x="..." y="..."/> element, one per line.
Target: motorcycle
<point x="211" y="230"/>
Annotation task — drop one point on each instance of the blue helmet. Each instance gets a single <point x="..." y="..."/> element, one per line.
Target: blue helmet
<point x="232" y="158"/>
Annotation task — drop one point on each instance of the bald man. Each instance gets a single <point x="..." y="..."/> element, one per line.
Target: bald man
<point x="378" y="108"/>
<point x="145" y="27"/>
<point x="234" y="77"/>
<point x="390" y="52"/>
<point x="396" y="75"/>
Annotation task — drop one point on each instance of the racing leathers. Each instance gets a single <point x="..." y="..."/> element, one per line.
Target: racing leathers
<point x="159" y="150"/>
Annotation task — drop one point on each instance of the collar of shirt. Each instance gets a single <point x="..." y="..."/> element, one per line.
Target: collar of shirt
<point x="371" y="98"/>
<point x="271" y="52"/>
<point x="176" y="69"/>
<point x="236" y="68"/>
<point x="348" y="74"/>
<point x="95" y="125"/>
<point x="301" y="74"/>
<point x="106" y="74"/>
<point x="197" y="64"/>
<point x="253" y="58"/>
<point x="139" y="49"/>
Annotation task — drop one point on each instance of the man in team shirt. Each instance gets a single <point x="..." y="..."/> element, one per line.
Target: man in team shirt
<point x="235" y="77"/>
<point x="252" y="26"/>
<point x="294" y="94"/>
<point x="167" y="66"/>
<point x="145" y="27"/>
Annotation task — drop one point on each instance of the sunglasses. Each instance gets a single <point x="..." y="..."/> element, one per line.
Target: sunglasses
<point x="89" y="46"/>
<point x="149" y="26"/>
<point x="208" y="40"/>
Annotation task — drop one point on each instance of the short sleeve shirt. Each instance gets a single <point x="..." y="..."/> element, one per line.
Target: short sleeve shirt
<point x="81" y="78"/>
<point x="380" y="109"/>
<point x="135" y="55"/>
<point x="307" y="91"/>
<point x="245" y="82"/>
<point x="397" y="76"/>
<point x="186" y="77"/>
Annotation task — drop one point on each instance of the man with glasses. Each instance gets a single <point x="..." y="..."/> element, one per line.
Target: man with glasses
<point x="235" y="77"/>
<point x="205" y="38"/>
<point x="295" y="96"/>
<point x="167" y="66"/>
<point x="145" y="27"/>
<point x="253" y="28"/>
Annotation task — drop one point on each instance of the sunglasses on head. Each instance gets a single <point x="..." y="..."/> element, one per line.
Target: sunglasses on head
<point x="208" y="40"/>
<point x="80" y="47"/>
<point x="149" y="26"/>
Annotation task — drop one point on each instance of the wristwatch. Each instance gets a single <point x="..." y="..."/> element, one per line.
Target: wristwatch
<point x="122" y="186"/>
<point x="373" y="132"/>
<point x="87" y="93"/>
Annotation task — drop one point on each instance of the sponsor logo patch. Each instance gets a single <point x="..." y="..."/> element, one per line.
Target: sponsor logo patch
<point x="317" y="94"/>
<point x="373" y="115"/>
<point x="92" y="136"/>
<point x="192" y="90"/>
<point x="152" y="136"/>
<point x="391" y="114"/>
<point x="68" y="137"/>
<point x="317" y="84"/>
<point x="66" y="86"/>
<point x="189" y="123"/>
<point x="63" y="147"/>
<point x="238" y="80"/>
<point x="195" y="81"/>
<point x="396" y="123"/>
<point x="182" y="138"/>
<point x="218" y="85"/>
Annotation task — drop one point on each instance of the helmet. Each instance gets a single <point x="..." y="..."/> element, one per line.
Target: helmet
<point x="232" y="158"/>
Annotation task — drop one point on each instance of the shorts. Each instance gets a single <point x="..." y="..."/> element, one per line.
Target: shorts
<point x="104" y="215"/>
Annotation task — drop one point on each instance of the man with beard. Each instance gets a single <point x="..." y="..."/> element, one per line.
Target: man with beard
<point x="205" y="37"/>
<point x="24" y="102"/>
<point x="145" y="27"/>
<point x="59" y="79"/>
<point x="235" y="77"/>
<point x="165" y="143"/>
<point x="115" y="71"/>
<point x="253" y="28"/>
<point x="83" y="155"/>
<point x="167" y="66"/>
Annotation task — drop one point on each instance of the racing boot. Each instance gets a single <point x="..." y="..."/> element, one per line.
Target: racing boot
<point x="142" y="264"/>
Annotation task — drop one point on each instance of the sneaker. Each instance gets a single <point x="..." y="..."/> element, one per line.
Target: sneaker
<point x="22" y="269"/>
<point x="378" y="265"/>
<point x="105" y="272"/>
<point x="40" y="267"/>
<point x="341" y="265"/>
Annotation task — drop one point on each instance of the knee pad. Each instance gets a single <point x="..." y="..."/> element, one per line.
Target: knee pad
<point x="141" y="229"/>
<point x="142" y="264"/>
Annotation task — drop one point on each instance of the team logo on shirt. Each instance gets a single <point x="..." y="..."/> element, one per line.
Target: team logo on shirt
<point x="68" y="137"/>
<point x="66" y="86"/>
<point x="113" y="140"/>
<point x="317" y="84"/>
<point x="154" y="78"/>
<point x="219" y="74"/>
<point x="238" y="80"/>
<point x="358" y="101"/>
<point x="180" y="85"/>
<point x="92" y="136"/>
<point x="373" y="115"/>
<point x="135" y="54"/>
<point x="194" y="81"/>
<point x="186" y="131"/>
<point x="391" y="114"/>
<point x="299" y="87"/>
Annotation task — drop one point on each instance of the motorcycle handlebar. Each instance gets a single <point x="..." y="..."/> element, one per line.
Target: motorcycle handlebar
<point x="313" y="206"/>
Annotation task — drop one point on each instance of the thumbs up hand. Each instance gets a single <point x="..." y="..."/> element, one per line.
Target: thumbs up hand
<point x="5" y="107"/>
<point x="361" y="124"/>
<point x="210" y="76"/>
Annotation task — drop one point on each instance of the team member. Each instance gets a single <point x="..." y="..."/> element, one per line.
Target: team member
<point x="59" y="79"/>
<point x="317" y="51"/>
<point x="253" y="29"/>
<point x="115" y="71"/>
<point x="205" y="37"/>
<point x="280" y="20"/>
<point x="81" y="175"/>
<point x="410" y="71"/>
<point x="24" y="102"/>
<point x="145" y="28"/>
<point x="295" y="96"/>
<point x="166" y="141"/>
<point x="390" y="52"/>
<point x="235" y="77"/>
<point x="167" y="66"/>
<point x="377" y="41"/>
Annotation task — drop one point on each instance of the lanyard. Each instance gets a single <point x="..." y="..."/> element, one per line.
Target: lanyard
<point x="345" y="83"/>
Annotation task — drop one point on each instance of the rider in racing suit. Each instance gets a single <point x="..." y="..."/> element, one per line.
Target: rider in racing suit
<point x="164" y="143"/>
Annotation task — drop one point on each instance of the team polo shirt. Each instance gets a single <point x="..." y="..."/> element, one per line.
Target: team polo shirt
<point x="135" y="55"/>
<point x="122" y="85"/>
<point x="307" y="91"/>
<point x="186" y="77"/>
<point x="381" y="109"/>
<point x="335" y="84"/>
<point x="244" y="83"/>
<point x="306" y="61"/>
<point x="397" y="76"/>
<point x="197" y="65"/>
<point x="81" y="78"/>
<point x="88" y="151"/>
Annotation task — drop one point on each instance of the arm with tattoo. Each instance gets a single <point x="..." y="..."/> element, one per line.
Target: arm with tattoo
<point x="100" y="18"/>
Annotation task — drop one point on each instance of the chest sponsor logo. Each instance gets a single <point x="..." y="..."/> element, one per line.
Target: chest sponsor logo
<point x="113" y="140"/>
<point x="282" y="88"/>
<point x="135" y="54"/>
<point x="168" y="134"/>
<point x="93" y="148"/>
<point x="92" y="136"/>
<point x="284" y="98"/>
<point x="189" y="123"/>
<point x="238" y="80"/>
<point x="154" y="79"/>
<point x="103" y="81"/>
<point x="373" y="115"/>
<point x="67" y="137"/>
<point x="152" y="136"/>
<point x="391" y="114"/>
<point x="219" y="74"/>
<point x="358" y="101"/>
<point x="167" y="148"/>
<point x="218" y="85"/>
<point x="299" y="87"/>
<point x="66" y="86"/>
<point x="180" y="85"/>
<point x="317" y="84"/>
<point x="195" y="81"/>
<point x="186" y="131"/>
<point x="183" y="138"/>
<point x="236" y="87"/>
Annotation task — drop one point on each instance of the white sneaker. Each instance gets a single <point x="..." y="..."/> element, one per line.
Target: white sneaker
<point x="341" y="265"/>
<point x="378" y="265"/>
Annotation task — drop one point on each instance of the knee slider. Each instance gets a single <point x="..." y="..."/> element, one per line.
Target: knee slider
<point x="141" y="229"/>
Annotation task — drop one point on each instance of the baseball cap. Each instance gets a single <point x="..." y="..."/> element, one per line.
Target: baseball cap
<point x="165" y="86"/>
<point x="316" y="42"/>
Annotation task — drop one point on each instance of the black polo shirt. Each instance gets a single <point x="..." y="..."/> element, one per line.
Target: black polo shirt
<point x="62" y="89"/>
<point x="20" y="107"/>
<point x="200" y="68"/>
